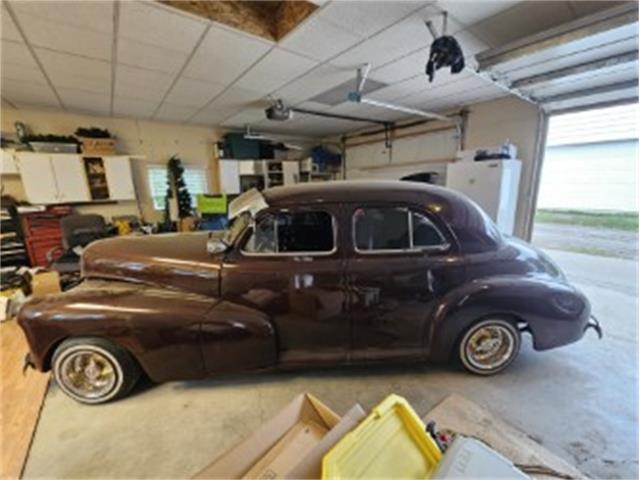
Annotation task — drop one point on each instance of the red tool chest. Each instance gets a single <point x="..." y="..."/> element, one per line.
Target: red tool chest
<point x="42" y="233"/>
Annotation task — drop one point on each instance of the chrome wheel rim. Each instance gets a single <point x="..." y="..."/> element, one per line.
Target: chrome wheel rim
<point x="88" y="374"/>
<point x="490" y="347"/>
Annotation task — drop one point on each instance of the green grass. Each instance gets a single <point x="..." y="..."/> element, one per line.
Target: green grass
<point x="614" y="220"/>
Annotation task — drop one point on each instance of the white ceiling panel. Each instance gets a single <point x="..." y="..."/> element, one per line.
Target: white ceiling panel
<point x="143" y="55"/>
<point x="236" y="98"/>
<point x="71" y="71"/>
<point x="460" y="87"/>
<point x="274" y="70"/>
<point x="65" y="37"/>
<point x="13" y="53"/>
<point x="174" y="113"/>
<point x="317" y="81"/>
<point x="143" y="84"/>
<point x="151" y="24"/>
<point x="320" y="39"/>
<point x="9" y="31"/>
<point x="396" y="41"/>
<point x="405" y="67"/>
<point x="213" y="115"/>
<point x="223" y="55"/>
<point x="23" y="93"/>
<point x="366" y="18"/>
<point x="468" y="12"/>
<point x="83" y="101"/>
<point x="133" y="107"/>
<point x="93" y="15"/>
<point x="193" y="93"/>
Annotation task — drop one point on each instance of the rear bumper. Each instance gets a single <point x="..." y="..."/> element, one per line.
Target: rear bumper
<point x="595" y="324"/>
<point x="557" y="332"/>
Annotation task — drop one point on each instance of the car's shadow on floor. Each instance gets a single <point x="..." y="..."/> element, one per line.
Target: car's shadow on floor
<point x="527" y="362"/>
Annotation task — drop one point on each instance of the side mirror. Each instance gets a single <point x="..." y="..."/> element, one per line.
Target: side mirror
<point x="216" y="245"/>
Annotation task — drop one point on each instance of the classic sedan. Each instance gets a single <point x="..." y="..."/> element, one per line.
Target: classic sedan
<point x="309" y="275"/>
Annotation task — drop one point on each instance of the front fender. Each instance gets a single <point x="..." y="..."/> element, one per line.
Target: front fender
<point x="555" y="312"/>
<point x="159" y="327"/>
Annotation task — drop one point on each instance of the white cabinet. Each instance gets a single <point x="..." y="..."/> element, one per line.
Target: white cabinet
<point x="50" y="178"/>
<point x="38" y="178"/>
<point x="71" y="178"/>
<point x="8" y="163"/>
<point x="119" y="178"/>
<point x="492" y="184"/>
<point x="290" y="172"/>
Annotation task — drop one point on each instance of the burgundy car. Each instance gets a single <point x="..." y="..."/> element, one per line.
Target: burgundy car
<point x="309" y="275"/>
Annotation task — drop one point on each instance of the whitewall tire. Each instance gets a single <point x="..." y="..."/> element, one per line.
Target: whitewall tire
<point x="489" y="346"/>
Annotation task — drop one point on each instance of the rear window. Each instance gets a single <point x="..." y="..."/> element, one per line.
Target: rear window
<point x="292" y="232"/>
<point x="394" y="229"/>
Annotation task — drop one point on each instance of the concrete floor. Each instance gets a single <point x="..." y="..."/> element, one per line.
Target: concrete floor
<point x="580" y="401"/>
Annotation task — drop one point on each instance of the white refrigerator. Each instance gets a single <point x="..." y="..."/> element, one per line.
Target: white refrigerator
<point x="492" y="184"/>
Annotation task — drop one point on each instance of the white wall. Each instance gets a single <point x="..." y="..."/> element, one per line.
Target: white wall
<point x="594" y="176"/>
<point x="489" y="123"/>
<point x="156" y="141"/>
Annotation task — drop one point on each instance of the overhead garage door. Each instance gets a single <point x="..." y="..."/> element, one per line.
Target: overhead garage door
<point x="588" y="62"/>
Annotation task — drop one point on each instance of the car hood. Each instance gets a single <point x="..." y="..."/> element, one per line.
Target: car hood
<point x="172" y="260"/>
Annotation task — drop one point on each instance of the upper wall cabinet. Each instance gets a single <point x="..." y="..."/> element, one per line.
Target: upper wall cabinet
<point x="61" y="178"/>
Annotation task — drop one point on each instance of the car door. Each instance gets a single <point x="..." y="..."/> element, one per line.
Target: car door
<point x="398" y="264"/>
<point x="290" y="266"/>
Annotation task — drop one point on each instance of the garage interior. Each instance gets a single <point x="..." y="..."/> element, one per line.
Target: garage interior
<point x="104" y="101"/>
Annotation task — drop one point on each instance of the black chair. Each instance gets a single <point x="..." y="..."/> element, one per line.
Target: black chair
<point x="78" y="231"/>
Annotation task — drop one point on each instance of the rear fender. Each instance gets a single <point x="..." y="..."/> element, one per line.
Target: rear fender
<point x="529" y="300"/>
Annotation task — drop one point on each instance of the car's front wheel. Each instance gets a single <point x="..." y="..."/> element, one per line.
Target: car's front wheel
<point x="489" y="346"/>
<point x="94" y="370"/>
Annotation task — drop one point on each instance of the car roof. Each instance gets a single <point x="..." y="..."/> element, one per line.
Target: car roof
<point x="473" y="229"/>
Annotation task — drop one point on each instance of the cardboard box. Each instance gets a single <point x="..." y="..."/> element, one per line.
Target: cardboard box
<point x="290" y="445"/>
<point x="98" y="146"/>
<point x="45" y="283"/>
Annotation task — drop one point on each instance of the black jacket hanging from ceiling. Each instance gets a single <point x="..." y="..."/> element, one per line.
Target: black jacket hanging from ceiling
<point x="445" y="52"/>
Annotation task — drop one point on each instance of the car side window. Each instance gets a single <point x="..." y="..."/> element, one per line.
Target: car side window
<point x="292" y="232"/>
<point x="394" y="229"/>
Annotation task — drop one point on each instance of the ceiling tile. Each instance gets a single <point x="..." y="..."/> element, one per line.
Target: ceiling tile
<point x="143" y="84"/>
<point x="133" y="107"/>
<point x="212" y="115"/>
<point x="320" y="39"/>
<point x="276" y="69"/>
<point x="71" y="71"/>
<point x="82" y="101"/>
<point x="317" y="81"/>
<point x="13" y="53"/>
<point x="92" y="15"/>
<point x="405" y="67"/>
<point x="468" y="12"/>
<point x="65" y="37"/>
<point x="365" y="18"/>
<point x="193" y="93"/>
<point x="237" y="98"/>
<point x="9" y="31"/>
<point x="22" y="93"/>
<point x="143" y="55"/>
<point x="405" y="87"/>
<point x="223" y="55"/>
<point x="158" y="26"/>
<point x="396" y="41"/>
<point x="174" y="113"/>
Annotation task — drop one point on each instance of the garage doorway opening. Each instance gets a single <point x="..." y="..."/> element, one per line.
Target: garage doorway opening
<point x="587" y="198"/>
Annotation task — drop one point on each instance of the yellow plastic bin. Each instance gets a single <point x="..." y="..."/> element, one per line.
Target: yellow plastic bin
<point x="390" y="443"/>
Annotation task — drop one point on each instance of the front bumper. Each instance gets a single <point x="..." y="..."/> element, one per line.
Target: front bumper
<point x="595" y="324"/>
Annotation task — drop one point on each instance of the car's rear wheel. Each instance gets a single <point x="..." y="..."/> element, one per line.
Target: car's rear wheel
<point x="489" y="346"/>
<point x="94" y="370"/>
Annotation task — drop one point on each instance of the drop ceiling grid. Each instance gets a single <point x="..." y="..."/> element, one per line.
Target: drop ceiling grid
<point x="225" y="84"/>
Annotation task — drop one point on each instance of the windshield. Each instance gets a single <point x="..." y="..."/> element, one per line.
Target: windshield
<point x="236" y="227"/>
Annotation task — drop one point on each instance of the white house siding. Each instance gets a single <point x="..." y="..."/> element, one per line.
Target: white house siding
<point x="590" y="176"/>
